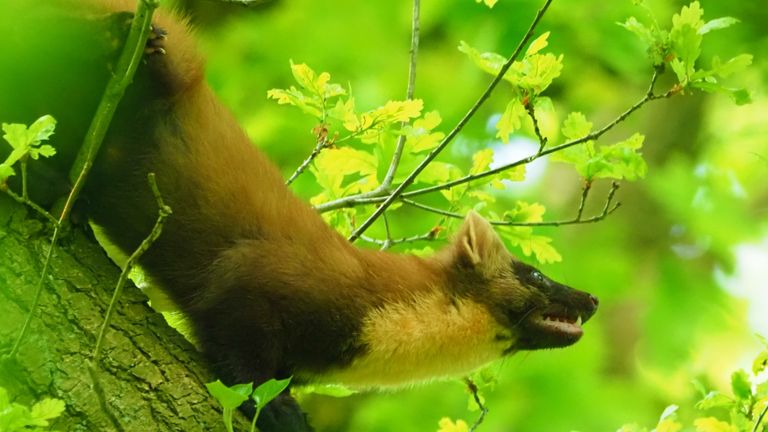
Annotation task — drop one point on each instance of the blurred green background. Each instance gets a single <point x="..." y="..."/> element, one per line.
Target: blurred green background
<point x="680" y="269"/>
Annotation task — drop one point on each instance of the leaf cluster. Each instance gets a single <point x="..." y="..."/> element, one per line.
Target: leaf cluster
<point x="679" y="47"/>
<point x="232" y="397"/>
<point x="743" y="410"/>
<point x="27" y="142"/>
<point x="15" y="417"/>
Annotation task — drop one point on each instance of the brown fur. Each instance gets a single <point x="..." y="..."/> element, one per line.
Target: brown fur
<point x="270" y="289"/>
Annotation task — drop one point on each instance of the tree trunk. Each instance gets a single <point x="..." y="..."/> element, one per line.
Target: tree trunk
<point x="149" y="378"/>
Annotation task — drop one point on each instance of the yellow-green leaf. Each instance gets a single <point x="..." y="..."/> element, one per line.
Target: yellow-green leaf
<point x="489" y="3"/>
<point x="303" y="74"/>
<point x="448" y="425"/>
<point x="439" y="172"/>
<point x="481" y="161"/>
<point x="711" y="424"/>
<point x="332" y="166"/>
<point x="576" y="126"/>
<point x="398" y="111"/>
<point x="668" y="426"/>
<point x="419" y="136"/>
<point x="510" y="120"/>
<point x="538" y="44"/>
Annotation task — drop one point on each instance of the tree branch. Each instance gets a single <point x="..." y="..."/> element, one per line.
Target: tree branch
<point x="452" y="134"/>
<point x="760" y="419"/>
<point x="163" y="211"/>
<point x="532" y="114"/>
<point x="21" y="200"/>
<point x="322" y="142"/>
<point x="387" y="182"/>
<point x="389" y="242"/>
<point x="124" y="71"/>
<point x="476" y="396"/>
<point x="578" y="219"/>
<point x="649" y="96"/>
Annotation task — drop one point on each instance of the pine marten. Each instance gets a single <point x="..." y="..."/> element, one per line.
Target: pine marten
<point x="270" y="289"/>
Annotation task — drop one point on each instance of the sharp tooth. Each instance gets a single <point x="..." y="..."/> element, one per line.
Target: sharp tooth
<point x="578" y="321"/>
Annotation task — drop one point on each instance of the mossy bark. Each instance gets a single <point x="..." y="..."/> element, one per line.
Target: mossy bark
<point x="149" y="379"/>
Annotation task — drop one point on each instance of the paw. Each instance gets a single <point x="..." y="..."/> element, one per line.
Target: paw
<point x="156" y="41"/>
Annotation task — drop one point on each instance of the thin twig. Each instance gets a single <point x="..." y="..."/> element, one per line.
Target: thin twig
<point x="32" y="205"/>
<point x="385" y="187"/>
<point x="322" y="142"/>
<point x="607" y="210"/>
<point x="584" y="194"/>
<point x="387" y="182"/>
<point x="389" y="242"/>
<point x="363" y="200"/>
<point x="476" y="396"/>
<point x="24" y="191"/>
<point x="455" y="131"/>
<point x="163" y="212"/>
<point x="760" y="418"/>
<point x="532" y="114"/>
<point x="124" y="71"/>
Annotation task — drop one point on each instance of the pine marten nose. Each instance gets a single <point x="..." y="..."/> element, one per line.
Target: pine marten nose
<point x="595" y="301"/>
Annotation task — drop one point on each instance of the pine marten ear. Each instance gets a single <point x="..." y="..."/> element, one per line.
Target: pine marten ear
<point x="477" y="245"/>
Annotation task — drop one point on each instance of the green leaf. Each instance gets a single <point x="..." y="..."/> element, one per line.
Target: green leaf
<point x="489" y="3"/>
<point x="717" y="24"/>
<point x="46" y="409"/>
<point x="398" y="111"/>
<point x="685" y="38"/>
<point x="5" y="172"/>
<point x="711" y="424"/>
<point x="735" y="64"/>
<point x="481" y="161"/>
<point x="530" y="243"/>
<point x="332" y="166"/>
<point x="513" y="174"/>
<point x="669" y="412"/>
<point x="269" y="390"/>
<point x="641" y="31"/>
<point x="741" y="96"/>
<point x="740" y="383"/>
<point x="621" y="160"/>
<point x="538" y="44"/>
<point x="489" y="62"/>
<point x="419" y="135"/>
<point x="510" y="120"/>
<point x="319" y="85"/>
<point x="525" y="212"/>
<point x="229" y="397"/>
<point x="439" y="172"/>
<point x="345" y="112"/>
<point x="715" y="399"/>
<point x="760" y="363"/>
<point x="41" y="129"/>
<point x="292" y="96"/>
<point x="537" y="72"/>
<point x="541" y="247"/>
<point x="576" y="126"/>
<point x="532" y="75"/>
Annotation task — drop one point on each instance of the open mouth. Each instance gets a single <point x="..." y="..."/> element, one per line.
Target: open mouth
<point x="567" y="326"/>
<point x="552" y="328"/>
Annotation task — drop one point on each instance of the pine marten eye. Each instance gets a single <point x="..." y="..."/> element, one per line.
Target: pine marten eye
<point x="537" y="277"/>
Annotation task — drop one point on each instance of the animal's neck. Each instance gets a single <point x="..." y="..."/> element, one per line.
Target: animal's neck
<point x="420" y="331"/>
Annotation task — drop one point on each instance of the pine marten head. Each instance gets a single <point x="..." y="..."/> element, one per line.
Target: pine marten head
<point x="535" y="311"/>
<point x="486" y="304"/>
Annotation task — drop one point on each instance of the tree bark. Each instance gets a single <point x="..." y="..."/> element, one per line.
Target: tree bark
<point x="149" y="378"/>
